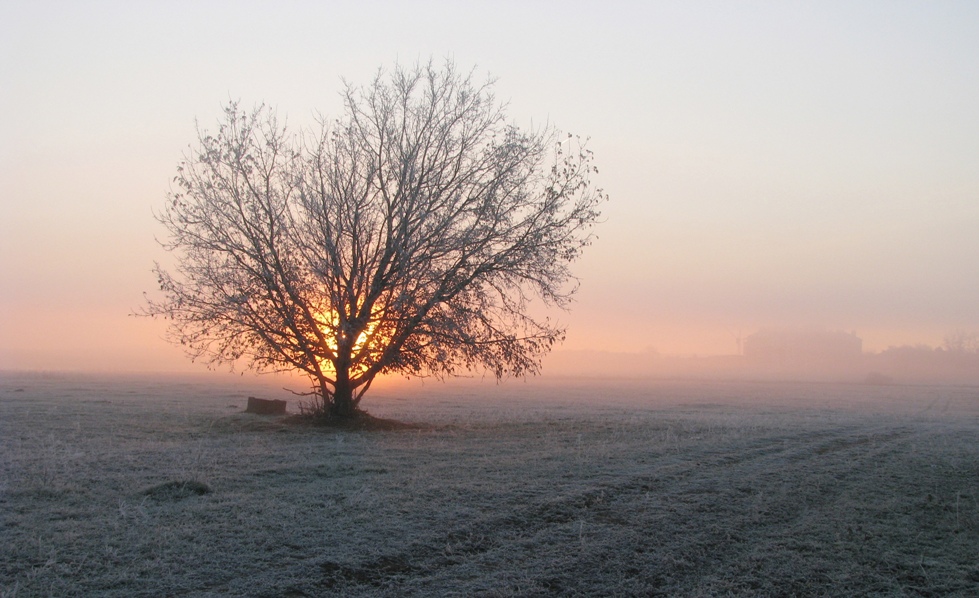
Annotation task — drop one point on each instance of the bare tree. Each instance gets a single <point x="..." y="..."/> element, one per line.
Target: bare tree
<point x="961" y="341"/>
<point x="408" y="236"/>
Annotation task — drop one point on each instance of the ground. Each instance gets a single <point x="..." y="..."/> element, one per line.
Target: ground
<point x="129" y="486"/>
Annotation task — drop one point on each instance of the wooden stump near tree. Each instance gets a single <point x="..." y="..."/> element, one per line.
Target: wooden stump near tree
<point x="265" y="406"/>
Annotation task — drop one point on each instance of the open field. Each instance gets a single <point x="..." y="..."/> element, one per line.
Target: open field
<point x="566" y="488"/>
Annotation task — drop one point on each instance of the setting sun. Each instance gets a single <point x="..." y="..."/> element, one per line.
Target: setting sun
<point x="332" y="330"/>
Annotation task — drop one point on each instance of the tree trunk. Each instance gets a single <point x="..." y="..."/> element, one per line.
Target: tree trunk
<point x="343" y="397"/>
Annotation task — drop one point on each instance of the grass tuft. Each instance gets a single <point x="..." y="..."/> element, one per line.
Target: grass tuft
<point x="177" y="490"/>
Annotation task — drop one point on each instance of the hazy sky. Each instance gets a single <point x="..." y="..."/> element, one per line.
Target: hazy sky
<point x="769" y="163"/>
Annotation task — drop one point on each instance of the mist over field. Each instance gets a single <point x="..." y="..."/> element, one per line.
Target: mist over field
<point x="812" y="355"/>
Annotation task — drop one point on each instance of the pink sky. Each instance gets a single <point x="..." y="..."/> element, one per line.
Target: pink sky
<point x="769" y="164"/>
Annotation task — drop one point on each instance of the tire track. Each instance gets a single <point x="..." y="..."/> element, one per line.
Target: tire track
<point x="685" y="515"/>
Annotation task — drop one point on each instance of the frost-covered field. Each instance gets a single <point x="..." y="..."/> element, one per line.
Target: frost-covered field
<point x="566" y="488"/>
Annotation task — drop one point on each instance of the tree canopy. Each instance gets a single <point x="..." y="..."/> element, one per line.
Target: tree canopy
<point x="408" y="236"/>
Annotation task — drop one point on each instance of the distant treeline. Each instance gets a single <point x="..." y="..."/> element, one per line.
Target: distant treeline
<point x="908" y="364"/>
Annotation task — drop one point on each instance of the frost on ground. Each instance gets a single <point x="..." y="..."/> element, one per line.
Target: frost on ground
<point x="140" y="487"/>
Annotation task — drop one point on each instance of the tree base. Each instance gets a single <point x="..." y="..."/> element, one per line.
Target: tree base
<point x="358" y="421"/>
